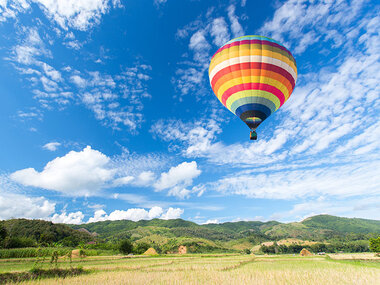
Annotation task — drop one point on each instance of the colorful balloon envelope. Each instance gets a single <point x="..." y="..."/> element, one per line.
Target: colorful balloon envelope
<point x="253" y="76"/>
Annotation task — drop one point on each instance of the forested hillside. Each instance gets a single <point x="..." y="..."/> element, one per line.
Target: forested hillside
<point x="167" y="235"/>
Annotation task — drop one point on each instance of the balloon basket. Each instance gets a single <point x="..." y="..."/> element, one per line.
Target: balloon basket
<point x="253" y="136"/>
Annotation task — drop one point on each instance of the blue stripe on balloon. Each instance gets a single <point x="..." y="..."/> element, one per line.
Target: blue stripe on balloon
<point x="263" y="101"/>
<point x="253" y="107"/>
<point x="254" y="38"/>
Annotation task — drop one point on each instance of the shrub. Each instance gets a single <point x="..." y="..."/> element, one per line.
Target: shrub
<point x="247" y="251"/>
<point x="374" y="244"/>
<point x="141" y="247"/>
<point x="19" y="242"/>
<point x="125" y="246"/>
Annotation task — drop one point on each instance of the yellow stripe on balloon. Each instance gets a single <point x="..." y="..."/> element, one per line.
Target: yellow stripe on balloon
<point x="252" y="79"/>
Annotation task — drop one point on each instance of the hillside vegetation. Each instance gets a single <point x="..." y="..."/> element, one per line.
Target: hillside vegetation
<point x="325" y="233"/>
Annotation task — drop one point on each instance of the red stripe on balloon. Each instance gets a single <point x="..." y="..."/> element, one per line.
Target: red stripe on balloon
<point x="252" y="65"/>
<point x="253" y="86"/>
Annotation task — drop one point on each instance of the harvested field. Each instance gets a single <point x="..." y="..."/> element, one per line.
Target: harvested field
<point x="216" y="269"/>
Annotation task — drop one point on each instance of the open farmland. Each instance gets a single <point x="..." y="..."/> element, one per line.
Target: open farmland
<point x="214" y="269"/>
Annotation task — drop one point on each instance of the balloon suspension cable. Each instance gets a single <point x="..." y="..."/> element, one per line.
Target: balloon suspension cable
<point x="253" y="135"/>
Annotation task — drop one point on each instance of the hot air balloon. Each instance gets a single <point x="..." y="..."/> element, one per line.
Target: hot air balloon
<point x="253" y="76"/>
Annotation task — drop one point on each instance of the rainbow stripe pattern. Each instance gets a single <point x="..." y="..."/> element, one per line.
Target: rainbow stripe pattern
<point x="253" y="76"/>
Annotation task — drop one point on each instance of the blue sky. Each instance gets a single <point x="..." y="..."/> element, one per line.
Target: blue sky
<point x="107" y="112"/>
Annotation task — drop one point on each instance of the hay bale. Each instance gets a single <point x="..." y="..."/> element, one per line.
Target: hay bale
<point x="150" y="251"/>
<point x="77" y="253"/>
<point x="305" y="252"/>
<point x="182" y="249"/>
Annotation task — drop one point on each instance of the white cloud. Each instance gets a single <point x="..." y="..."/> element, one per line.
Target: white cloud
<point x="219" y="31"/>
<point x="316" y="122"/>
<point x="172" y="213"/>
<point x="51" y="72"/>
<point x="99" y="216"/>
<point x="211" y="221"/>
<point x="77" y="173"/>
<point x="299" y="24"/>
<point x="144" y="179"/>
<point x="137" y="214"/>
<point x="191" y="75"/>
<point x="358" y="208"/>
<point x="339" y="181"/>
<point x="177" y="178"/>
<point x="159" y="2"/>
<point x="179" y="192"/>
<point x="236" y="27"/>
<point x="52" y="146"/>
<point x="77" y="14"/>
<point x="30" y="49"/>
<point x="199" y="135"/>
<point x="78" y="81"/>
<point x="20" y="206"/>
<point x="123" y="180"/>
<point x="104" y="92"/>
<point x="75" y="218"/>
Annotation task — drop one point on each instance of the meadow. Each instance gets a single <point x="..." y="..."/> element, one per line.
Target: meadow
<point x="211" y="269"/>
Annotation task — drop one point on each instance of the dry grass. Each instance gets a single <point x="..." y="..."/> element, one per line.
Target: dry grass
<point x="290" y="241"/>
<point x="354" y="256"/>
<point x="194" y="269"/>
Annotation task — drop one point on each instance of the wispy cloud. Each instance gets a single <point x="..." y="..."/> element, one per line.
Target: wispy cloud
<point x="52" y="146"/>
<point x="191" y="76"/>
<point x="299" y="24"/>
<point x="77" y="14"/>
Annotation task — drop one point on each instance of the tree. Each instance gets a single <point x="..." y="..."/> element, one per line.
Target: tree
<point x="3" y="235"/>
<point x="374" y="244"/>
<point x="141" y="247"/>
<point x="125" y="246"/>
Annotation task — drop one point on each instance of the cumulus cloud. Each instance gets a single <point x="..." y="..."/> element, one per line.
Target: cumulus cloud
<point x="20" y="206"/>
<point x="178" y="178"/>
<point x="182" y="173"/>
<point x="77" y="173"/>
<point x="75" y="218"/>
<point x="172" y="213"/>
<point x="52" y="146"/>
<point x="144" y="179"/>
<point x="137" y="214"/>
<point x="211" y="221"/>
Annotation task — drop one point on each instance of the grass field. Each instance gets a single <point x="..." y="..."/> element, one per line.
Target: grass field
<point x="214" y="269"/>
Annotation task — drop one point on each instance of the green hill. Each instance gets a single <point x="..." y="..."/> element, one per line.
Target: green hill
<point x="325" y="227"/>
<point x="344" y="225"/>
<point x="168" y="234"/>
<point x="44" y="232"/>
